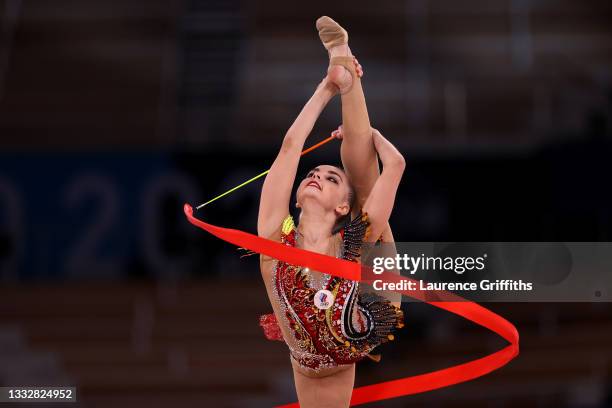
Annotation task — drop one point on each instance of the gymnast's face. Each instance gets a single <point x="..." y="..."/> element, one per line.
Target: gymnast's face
<point x="328" y="186"/>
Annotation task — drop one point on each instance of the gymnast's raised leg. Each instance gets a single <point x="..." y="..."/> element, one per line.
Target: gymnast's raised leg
<point x="359" y="157"/>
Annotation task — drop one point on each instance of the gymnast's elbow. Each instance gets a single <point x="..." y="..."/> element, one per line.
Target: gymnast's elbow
<point x="395" y="163"/>
<point x="291" y="143"/>
<point x="288" y="142"/>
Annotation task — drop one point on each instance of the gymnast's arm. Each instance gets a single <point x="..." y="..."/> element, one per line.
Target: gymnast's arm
<point x="365" y="167"/>
<point x="379" y="203"/>
<point x="276" y="190"/>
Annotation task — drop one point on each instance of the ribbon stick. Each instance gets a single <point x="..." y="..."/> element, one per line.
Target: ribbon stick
<point x="310" y="149"/>
<point x="352" y="270"/>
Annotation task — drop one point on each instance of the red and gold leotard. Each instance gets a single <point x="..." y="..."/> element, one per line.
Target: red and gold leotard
<point x="345" y="332"/>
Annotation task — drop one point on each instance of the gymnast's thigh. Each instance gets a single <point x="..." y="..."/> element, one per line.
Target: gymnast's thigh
<point x="332" y="390"/>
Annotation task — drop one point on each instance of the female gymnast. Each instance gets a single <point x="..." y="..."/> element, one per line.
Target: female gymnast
<point x="327" y="322"/>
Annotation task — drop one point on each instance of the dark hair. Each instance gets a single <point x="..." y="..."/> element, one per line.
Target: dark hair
<point x="345" y="219"/>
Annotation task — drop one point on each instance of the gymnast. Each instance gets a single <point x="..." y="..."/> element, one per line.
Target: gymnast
<point x="330" y="323"/>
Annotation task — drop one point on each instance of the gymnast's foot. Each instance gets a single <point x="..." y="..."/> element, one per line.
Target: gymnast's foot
<point x="335" y="40"/>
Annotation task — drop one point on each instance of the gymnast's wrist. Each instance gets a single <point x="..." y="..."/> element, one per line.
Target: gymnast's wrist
<point x="327" y="89"/>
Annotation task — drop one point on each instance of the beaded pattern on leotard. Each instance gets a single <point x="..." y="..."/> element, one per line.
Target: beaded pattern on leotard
<point x="328" y="338"/>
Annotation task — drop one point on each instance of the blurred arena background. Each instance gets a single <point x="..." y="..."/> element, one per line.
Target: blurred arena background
<point x="113" y="113"/>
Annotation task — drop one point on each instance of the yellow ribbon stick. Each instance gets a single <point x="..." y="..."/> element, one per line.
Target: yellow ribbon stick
<point x="310" y="149"/>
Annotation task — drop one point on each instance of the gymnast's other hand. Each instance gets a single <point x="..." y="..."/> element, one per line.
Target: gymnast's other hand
<point x="337" y="75"/>
<point x="338" y="133"/>
<point x="358" y="67"/>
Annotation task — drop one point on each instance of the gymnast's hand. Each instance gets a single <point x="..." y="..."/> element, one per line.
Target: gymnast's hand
<point x="338" y="133"/>
<point x="358" y="67"/>
<point x="327" y="82"/>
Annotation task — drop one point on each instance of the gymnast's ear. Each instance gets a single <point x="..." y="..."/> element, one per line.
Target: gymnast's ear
<point x="343" y="209"/>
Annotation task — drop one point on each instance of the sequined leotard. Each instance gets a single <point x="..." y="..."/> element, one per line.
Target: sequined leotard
<point x="349" y="329"/>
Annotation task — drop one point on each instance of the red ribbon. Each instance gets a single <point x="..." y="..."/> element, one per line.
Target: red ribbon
<point x="352" y="270"/>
